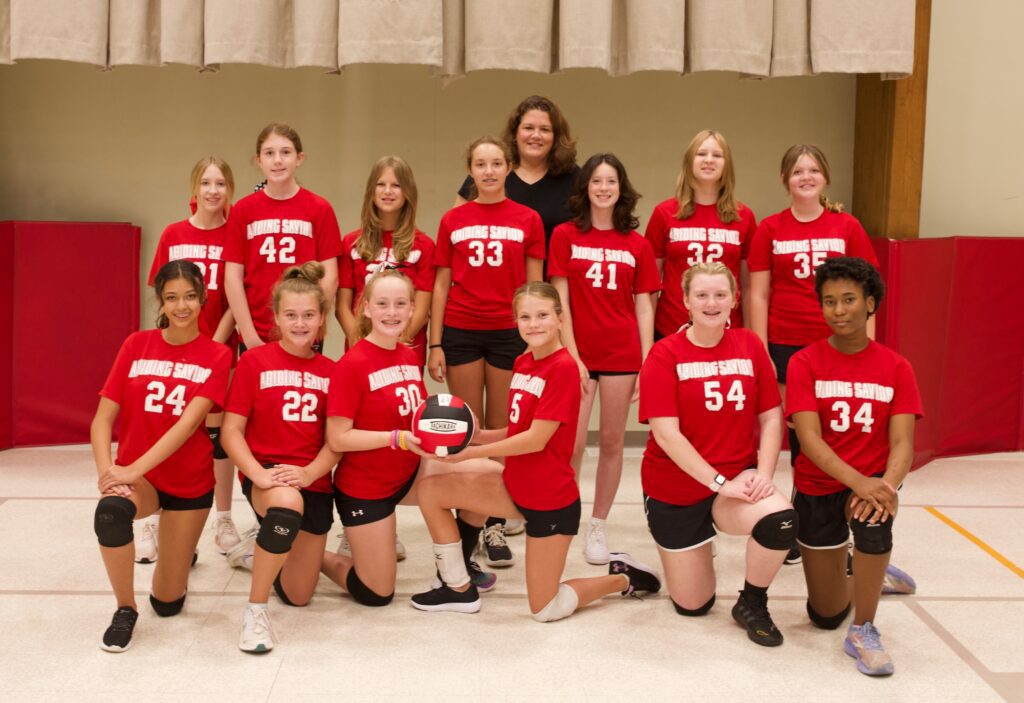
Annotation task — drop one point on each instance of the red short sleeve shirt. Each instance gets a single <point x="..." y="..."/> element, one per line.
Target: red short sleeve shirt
<point x="267" y="236"/>
<point x="378" y="389"/>
<point x="700" y="238"/>
<point x="284" y="398"/>
<point x="153" y="382"/>
<point x="605" y="269"/>
<point x="548" y="389"/>
<point x="353" y="271"/>
<point x="854" y="396"/>
<point x="791" y="251"/>
<point x="486" y="247"/>
<point x="717" y="396"/>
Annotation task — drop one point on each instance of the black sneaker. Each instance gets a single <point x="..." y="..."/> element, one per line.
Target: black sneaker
<point x="752" y="613"/>
<point x="642" y="578"/>
<point x="118" y="636"/>
<point x="494" y="546"/>
<point x="793" y="556"/>
<point x="444" y="598"/>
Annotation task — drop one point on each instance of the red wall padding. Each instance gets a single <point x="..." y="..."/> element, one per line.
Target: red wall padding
<point x="952" y="308"/>
<point x="7" y="326"/>
<point x="75" y="297"/>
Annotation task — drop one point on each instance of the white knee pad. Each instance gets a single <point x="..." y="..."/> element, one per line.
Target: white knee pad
<point x="561" y="606"/>
<point x="451" y="567"/>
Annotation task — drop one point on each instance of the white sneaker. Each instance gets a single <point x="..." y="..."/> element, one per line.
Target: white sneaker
<point x="145" y="540"/>
<point x="514" y="527"/>
<point x="595" y="550"/>
<point x="257" y="634"/>
<point x="399" y="549"/>
<point x="225" y="535"/>
<point x="240" y="556"/>
<point x="343" y="546"/>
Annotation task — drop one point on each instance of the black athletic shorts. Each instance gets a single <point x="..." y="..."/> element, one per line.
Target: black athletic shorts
<point x="780" y="355"/>
<point x="362" y="511"/>
<point x="679" y="528"/>
<point x="545" y="523"/>
<point x="169" y="502"/>
<point x="499" y="348"/>
<point x="317" y="516"/>
<point x="823" y="523"/>
<point x="595" y="375"/>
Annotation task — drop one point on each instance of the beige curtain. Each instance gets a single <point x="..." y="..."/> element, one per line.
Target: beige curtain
<point x="753" y="37"/>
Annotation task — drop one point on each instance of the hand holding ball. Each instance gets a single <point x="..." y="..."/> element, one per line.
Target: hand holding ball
<point x="443" y="424"/>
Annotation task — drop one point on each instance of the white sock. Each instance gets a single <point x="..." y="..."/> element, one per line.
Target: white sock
<point x="222" y="514"/>
<point x="154" y="519"/>
<point x="450" y="564"/>
<point x="597" y="522"/>
<point x="260" y="606"/>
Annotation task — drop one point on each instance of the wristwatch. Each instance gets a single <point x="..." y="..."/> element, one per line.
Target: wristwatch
<point x="717" y="484"/>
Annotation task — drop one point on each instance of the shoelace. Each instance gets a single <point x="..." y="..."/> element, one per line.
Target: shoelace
<point x="494" y="536"/>
<point x="123" y="620"/>
<point x="261" y="622"/>
<point x="870" y="637"/>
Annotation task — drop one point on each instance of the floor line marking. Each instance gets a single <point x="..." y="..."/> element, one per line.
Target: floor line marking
<point x="984" y="547"/>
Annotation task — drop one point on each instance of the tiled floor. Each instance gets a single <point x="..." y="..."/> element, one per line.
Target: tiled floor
<point x="956" y="640"/>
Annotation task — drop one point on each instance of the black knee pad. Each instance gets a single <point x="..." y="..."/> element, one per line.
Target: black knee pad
<point x="361" y="593"/>
<point x="827" y="623"/>
<point x="871" y="538"/>
<point x="166" y="609"/>
<point x="279" y="590"/>
<point x="278" y="530"/>
<point x="218" y="450"/>
<point x="696" y="612"/>
<point x="113" y="521"/>
<point x="777" y="530"/>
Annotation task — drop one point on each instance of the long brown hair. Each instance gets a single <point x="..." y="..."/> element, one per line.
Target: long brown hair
<point x="370" y="240"/>
<point x="726" y="204"/>
<point x="793" y="155"/>
<point x="562" y="156"/>
<point x="623" y="217"/>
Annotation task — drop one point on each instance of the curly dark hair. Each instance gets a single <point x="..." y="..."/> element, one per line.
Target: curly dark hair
<point x="562" y="156"/>
<point x="851" y="268"/>
<point x="623" y="217"/>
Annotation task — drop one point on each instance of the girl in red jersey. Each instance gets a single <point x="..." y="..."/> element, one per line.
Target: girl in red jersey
<point x="703" y="222"/>
<point x="200" y="239"/>
<point x="854" y="403"/>
<point x="272" y="229"/>
<point x="704" y="467"/>
<point x="486" y="249"/>
<point x="537" y="484"/>
<point x="607" y="273"/>
<point x="163" y="384"/>
<point x="274" y="432"/>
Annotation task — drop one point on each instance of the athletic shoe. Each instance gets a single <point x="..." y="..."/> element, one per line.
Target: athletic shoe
<point x="399" y="549"/>
<point x="444" y="598"/>
<point x="145" y="541"/>
<point x="898" y="581"/>
<point x="118" y="636"/>
<point x="793" y="556"/>
<point x="494" y="547"/>
<point x="514" y="527"/>
<point x="344" y="549"/>
<point x="751" y="612"/>
<point x="241" y="556"/>
<point x="595" y="549"/>
<point x="864" y="644"/>
<point x="483" y="580"/>
<point x="225" y="535"/>
<point x="642" y="578"/>
<point x="257" y="634"/>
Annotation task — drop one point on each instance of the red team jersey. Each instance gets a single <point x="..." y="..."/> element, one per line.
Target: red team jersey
<point x="854" y="396"/>
<point x="605" y="268"/>
<point x="548" y="389"/>
<point x="701" y="238"/>
<point x="203" y="247"/>
<point x="267" y="236"/>
<point x="718" y="395"/>
<point x="284" y="398"/>
<point x="791" y="251"/>
<point x="486" y="247"/>
<point x="152" y="382"/>
<point x="353" y="272"/>
<point x="378" y="389"/>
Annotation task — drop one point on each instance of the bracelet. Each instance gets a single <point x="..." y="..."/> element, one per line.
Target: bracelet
<point x="433" y="346"/>
<point x="401" y="440"/>
<point x="394" y="439"/>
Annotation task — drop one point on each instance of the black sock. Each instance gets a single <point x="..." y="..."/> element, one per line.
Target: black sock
<point x="754" y="592"/>
<point x="494" y="521"/>
<point x="469" y="536"/>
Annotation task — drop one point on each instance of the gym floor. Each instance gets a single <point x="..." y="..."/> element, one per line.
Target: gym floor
<point x="956" y="639"/>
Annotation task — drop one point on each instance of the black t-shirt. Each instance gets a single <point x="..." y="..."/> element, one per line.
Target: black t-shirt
<point x="549" y="196"/>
